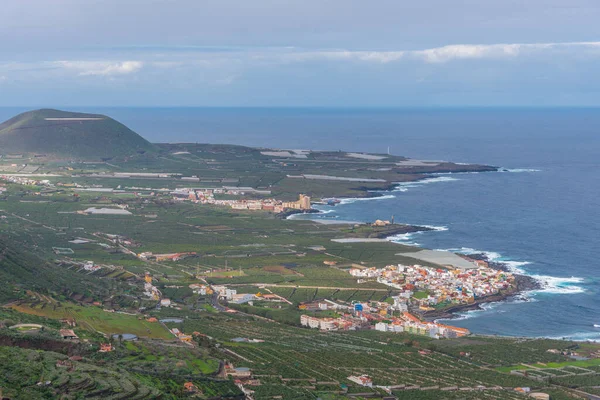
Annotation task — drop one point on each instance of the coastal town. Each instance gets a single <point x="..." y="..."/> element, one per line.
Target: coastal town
<point x="234" y="197"/>
<point x="207" y="196"/>
<point x="295" y="200"/>
<point x="432" y="287"/>
<point x="375" y="318"/>
<point x="421" y="289"/>
<point x="196" y="266"/>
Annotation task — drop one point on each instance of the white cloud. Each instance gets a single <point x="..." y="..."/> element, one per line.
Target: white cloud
<point x="464" y="51"/>
<point x="479" y="51"/>
<point x="102" y="68"/>
<point x="436" y="54"/>
<point x="224" y="67"/>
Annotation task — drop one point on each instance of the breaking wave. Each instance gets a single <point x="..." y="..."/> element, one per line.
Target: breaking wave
<point x="463" y="315"/>
<point x="549" y="284"/>
<point x="578" y="337"/>
<point x="557" y="285"/>
<point x="438" y="228"/>
<point x="404" y="238"/>
<point x="517" y="170"/>
<point x="404" y="186"/>
<point x="407" y="238"/>
<point x="351" y="200"/>
<point x="321" y="212"/>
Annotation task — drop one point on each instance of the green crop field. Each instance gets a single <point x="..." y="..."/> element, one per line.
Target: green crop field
<point x="96" y="319"/>
<point x="250" y="251"/>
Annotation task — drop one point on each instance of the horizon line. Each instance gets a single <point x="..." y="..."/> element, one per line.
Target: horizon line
<point x="316" y="107"/>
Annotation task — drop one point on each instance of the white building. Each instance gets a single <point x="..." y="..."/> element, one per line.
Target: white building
<point x="327" y="324"/>
<point x="313" y="322"/>
<point x="165" y="302"/>
<point x="241" y="298"/>
<point x="362" y="380"/>
<point x="304" y="320"/>
<point x="382" y="327"/>
<point x="228" y="294"/>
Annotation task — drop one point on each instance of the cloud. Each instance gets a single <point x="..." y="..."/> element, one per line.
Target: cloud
<point x="480" y="51"/>
<point x="464" y="51"/>
<point x="224" y="65"/>
<point x="443" y="54"/>
<point x="435" y="55"/>
<point x="102" y="68"/>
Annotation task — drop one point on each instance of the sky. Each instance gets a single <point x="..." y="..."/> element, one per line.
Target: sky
<point x="325" y="53"/>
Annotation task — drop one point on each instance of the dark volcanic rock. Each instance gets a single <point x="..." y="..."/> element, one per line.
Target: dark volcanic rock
<point x="523" y="283"/>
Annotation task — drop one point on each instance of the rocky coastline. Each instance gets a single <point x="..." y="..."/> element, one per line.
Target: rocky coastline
<point x="288" y="213"/>
<point x="523" y="283"/>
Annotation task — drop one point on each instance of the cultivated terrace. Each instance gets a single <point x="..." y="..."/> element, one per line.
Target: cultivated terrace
<point x="175" y="273"/>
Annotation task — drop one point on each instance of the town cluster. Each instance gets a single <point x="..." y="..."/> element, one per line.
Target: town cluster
<point x="439" y="286"/>
<point x="232" y="296"/>
<point x="419" y="286"/>
<point x="376" y="315"/>
<point x="22" y="180"/>
<point x="207" y="196"/>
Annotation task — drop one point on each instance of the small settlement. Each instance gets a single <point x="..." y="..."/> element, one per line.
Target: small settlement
<point x="207" y="196"/>
<point x="421" y="289"/>
<point x="220" y="196"/>
<point x="363" y="319"/>
<point x="439" y="286"/>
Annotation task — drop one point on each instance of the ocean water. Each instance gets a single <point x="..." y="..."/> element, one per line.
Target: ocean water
<point x="542" y="217"/>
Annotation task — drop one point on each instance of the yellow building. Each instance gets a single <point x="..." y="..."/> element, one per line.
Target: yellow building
<point x="303" y="203"/>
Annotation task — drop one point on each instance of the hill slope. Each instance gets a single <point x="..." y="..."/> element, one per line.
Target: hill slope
<point x="22" y="268"/>
<point x="70" y="134"/>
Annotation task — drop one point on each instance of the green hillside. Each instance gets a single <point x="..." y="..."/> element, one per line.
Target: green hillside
<point x="21" y="269"/>
<point x="69" y="134"/>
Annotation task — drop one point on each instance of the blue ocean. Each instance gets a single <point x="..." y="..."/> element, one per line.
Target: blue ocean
<point x="541" y="217"/>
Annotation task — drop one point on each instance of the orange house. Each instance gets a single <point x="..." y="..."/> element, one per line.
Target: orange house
<point x="190" y="387"/>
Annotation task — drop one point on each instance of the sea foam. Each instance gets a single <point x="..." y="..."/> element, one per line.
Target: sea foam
<point x="404" y="238"/>
<point x="517" y="170"/>
<point x="549" y="284"/>
<point x="578" y="337"/>
<point x="351" y="200"/>
<point x="404" y="186"/>
<point x="558" y="285"/>
<point x="407" y="238"/>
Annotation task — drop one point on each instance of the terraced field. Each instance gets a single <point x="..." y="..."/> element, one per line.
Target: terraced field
<point x="73" y="380"/>
<point x="95" y="319"/>
<point x="302" y="362"/>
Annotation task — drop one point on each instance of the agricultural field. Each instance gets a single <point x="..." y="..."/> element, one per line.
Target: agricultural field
<point x="301" y="362"/>
<point x="95" y="319"/>
<point x="506" y="352"/>
<point x="47" y="242"/>
<point x="21" y="370"/>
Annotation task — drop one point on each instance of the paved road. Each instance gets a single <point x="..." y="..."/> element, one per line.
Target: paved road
<point x="214" y="301"/>
<point x="308" y="287"/>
